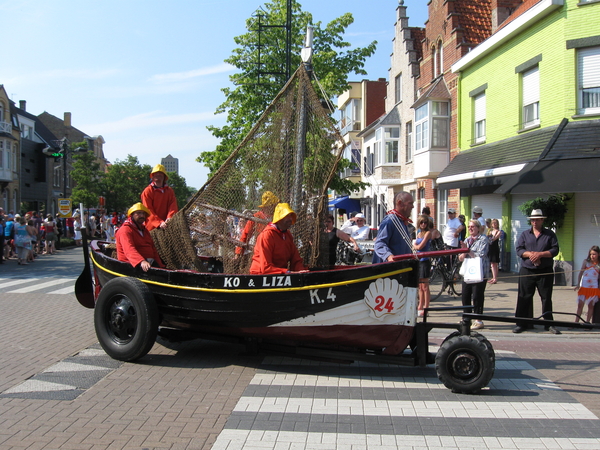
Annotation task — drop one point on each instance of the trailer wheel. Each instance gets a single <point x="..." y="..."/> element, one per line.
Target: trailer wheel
<point x="465" y="364"/>
<point x="126" y="319"/>
<point x="478" y="336"/>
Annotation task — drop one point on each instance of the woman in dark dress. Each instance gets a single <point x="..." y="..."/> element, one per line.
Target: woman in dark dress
<point x="494" y="253"/>
<point x="333" y="238"/>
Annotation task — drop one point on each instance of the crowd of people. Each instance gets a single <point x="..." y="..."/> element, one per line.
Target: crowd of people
<point x="25" y="237"/>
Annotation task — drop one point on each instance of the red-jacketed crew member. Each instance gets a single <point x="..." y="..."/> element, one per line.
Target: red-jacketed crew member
<point x="159" y="198"/>
<point x="134" y="243"/>
<point x="275" y="251"/>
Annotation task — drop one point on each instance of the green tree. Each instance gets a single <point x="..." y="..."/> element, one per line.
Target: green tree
<point x="182" y="191"/>
<point x="554" y="208"/>
<point x="86" y="175"/>
<point x="333" y="60"/>
<point x="124" y="183"/>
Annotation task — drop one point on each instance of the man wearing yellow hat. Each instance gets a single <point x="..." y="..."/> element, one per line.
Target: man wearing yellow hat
<point x="159" y="199"/>
<point x="134" y="243"/>
<point x="252" y="228"/>
<point x="275" y="251"/>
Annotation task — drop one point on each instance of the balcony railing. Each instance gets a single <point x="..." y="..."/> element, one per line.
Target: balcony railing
<point x="5" y="127"/>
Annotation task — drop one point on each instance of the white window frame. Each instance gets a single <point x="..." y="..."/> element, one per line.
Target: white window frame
<point x="422" y="128"/>
<point x="588" y="80"/>
<point x="408" y="142"/>
<point x="398" y="88"/>
<point x="2" y="154"/>
<point x="350" y="116"/>
<point x="479" y="113"/>
<point x="530" y="89"/>
<point x="391" y="145"/>
<point x="442" y="208"/>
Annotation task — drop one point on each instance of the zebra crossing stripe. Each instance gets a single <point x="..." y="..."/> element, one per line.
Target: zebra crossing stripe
<point x="456" y="409"/>
<point x="17" y="281"/>
<point x="300" y="404"/>
<point x="37" y="287"/>
<point x="67" y="290"/>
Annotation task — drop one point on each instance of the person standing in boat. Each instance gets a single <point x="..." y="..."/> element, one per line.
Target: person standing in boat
<point x="252" y="228"/>
<point x="275" y="250"/>
<point x="393" y="237"/>
<point x="159" y="198"/>
<point x="134" y="243"/>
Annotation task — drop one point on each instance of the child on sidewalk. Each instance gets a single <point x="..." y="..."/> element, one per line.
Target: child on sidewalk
<point x="587" y="285"/>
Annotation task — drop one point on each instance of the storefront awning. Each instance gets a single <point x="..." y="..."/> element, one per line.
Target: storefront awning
<point x="566" y="175"/>
<point x="347" y="203"/>
<point x="492" y="164"/>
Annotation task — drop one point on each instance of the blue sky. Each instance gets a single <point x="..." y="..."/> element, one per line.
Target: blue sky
<point x="147" y="75"/>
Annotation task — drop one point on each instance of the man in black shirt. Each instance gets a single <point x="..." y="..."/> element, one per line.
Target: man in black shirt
<point x="537" y="248"/>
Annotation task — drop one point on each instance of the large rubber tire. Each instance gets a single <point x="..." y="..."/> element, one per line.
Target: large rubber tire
<point x="465" y="364"/>
<point x="436" y="283"/>
<point x="476" y="335"/>
<point x="126" y="319"/>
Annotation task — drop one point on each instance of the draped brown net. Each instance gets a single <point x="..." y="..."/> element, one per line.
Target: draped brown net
<point x="291" y="154"/>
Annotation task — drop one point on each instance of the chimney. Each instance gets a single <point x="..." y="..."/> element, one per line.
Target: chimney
<point x="23" y="105"/>
<point x="501" y="10"/>
<point x="67" y="119"/>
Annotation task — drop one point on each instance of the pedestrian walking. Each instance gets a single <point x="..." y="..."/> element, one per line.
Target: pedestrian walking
<point x="537" y="248"/>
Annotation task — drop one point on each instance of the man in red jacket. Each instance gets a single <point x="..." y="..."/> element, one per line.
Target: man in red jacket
<point x="134" y="243"/>
<point x="159" y="199"/>
<point x="275" y="249"/>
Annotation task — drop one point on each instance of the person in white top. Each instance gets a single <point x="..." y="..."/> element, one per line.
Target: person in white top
<point x="453" y="229"/>
<point x="356" y="227"/>
<point x="478" y="215"/>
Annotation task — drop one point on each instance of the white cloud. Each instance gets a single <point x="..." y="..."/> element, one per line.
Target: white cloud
<point x="182" y="76"/>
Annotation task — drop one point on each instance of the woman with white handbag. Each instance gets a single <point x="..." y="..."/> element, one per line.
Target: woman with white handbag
<point x="474" y="270"/>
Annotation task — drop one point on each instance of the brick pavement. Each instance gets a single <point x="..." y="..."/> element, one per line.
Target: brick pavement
<point x="180" y="396"/>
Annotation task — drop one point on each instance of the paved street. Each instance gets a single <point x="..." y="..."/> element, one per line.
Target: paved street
<point x="58" y="390"/>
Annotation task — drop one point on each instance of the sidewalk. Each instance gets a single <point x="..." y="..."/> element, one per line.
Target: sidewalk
<point x="501" y="299"/>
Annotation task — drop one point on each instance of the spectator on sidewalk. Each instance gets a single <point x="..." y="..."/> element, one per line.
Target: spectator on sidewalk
<point x="587" y="284"/>
<point x="537" y="248"/>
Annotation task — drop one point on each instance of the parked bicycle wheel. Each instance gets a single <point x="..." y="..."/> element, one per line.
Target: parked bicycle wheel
<point x="457" y="279"/>
<point x="437" y="283"/>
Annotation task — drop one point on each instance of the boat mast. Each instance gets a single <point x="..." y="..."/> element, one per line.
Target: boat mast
<point x="306" y="54"/>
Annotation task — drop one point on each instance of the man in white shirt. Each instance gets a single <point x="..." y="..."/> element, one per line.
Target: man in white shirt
<point x="356" y="227"/>
<point x="478" y="215"/>
<point x="453" y="229"/>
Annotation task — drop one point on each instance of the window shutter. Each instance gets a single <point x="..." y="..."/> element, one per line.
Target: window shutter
<point x="479" y="107"/>
<point x="531" y="86"/>
<point x="589" y="67"/>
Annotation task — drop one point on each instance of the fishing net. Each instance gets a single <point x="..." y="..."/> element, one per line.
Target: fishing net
<point x="290" y="155"/>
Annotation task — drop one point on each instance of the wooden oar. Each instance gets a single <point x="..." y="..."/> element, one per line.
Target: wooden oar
<point x="84" y="288"/>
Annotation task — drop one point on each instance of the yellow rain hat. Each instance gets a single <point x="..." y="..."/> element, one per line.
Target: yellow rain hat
<point x="281" y="211"/>
<point x="138" y="207"/>
<point x="160" y="168"/>
<point x="269" y="199"/>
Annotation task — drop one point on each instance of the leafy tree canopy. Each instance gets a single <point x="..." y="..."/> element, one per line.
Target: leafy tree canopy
<point x="126" y="179"/>
<point x="256" y="85"/>
<point x="86" y="175"/>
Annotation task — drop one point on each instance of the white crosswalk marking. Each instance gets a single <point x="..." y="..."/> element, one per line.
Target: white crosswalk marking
<point x="25" y="285"/>
<point x="314" y="405"/>
<point x="17" y="281"/>
<point x="37" y="287"/>
<point x="67" y="290"/>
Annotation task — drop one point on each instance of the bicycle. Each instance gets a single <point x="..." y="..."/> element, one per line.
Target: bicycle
<point x="445" y="278"/>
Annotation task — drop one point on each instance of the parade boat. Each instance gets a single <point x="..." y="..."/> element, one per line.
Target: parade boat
<point x="352" y="312"/>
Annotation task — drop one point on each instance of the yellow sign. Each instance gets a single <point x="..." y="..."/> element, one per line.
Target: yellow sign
<point x="64" y="207"/>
